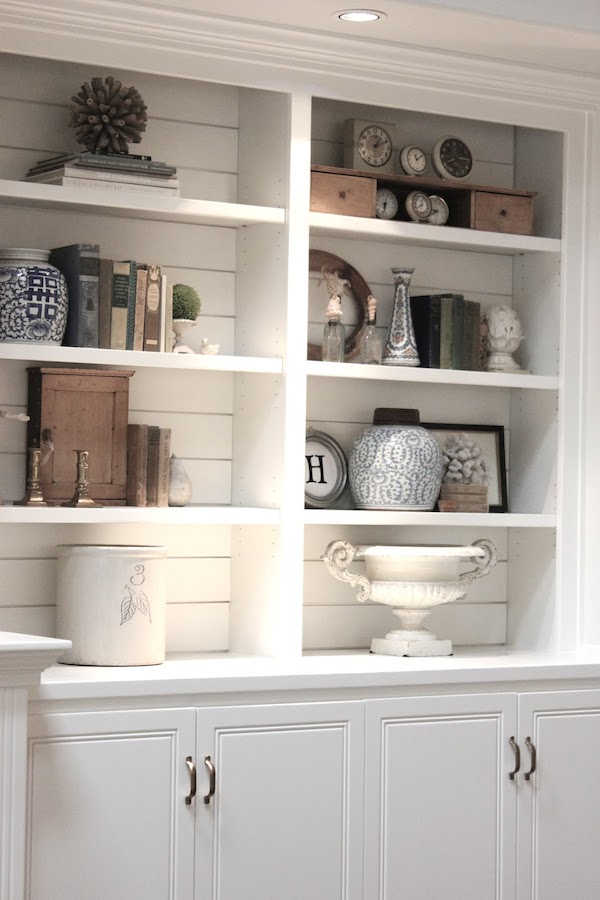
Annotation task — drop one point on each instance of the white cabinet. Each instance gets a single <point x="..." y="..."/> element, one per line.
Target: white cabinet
<point x="286" y="817"/>
<point x="108" y="817"/>
<point x="106" y="806"/>
<point x="439" y="807"/>
<point x="559" y="805"/>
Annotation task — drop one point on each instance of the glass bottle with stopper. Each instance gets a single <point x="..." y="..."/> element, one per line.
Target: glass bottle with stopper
<point x="334" y="333"/>
<point x="370" y="339"/>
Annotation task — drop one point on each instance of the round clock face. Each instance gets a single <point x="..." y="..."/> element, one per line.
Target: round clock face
<point x="413" y="160"/>
<point x="418" y="206"/>
<point x="439" y="210"/>
<point x="386" y="204"/>
<point x="452" y="158"/>
<point x="374" y="145"/>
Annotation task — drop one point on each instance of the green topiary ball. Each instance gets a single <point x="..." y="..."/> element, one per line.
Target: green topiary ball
<point x="186" y="302"/>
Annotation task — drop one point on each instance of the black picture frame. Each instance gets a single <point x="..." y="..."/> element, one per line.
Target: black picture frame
<point x="493" y="446"/>
<point x="330" y="467"/>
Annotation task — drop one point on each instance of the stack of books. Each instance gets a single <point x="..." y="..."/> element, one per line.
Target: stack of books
<point x="114" y="304"/>
<point x="107" y="171"/>
<point x="447" y="331"/>
<point x="148" y="463"/>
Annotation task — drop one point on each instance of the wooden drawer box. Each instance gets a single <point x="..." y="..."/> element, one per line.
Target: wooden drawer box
<point x="346" y="195"/>
<point x="501" y="212"/>
<point x="80" y="409"/>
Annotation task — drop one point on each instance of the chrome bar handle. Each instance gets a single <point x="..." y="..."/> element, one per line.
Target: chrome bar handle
<point x="517" y="750"/>
<point x="533" y="752"/>
<point x="192" y="770"/>
<point x="211" y="779"/>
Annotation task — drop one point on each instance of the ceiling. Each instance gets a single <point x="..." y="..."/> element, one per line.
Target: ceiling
<point x="539" y="32"/>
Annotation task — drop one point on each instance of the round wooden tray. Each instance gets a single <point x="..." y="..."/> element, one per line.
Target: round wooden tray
<point x="358" y="291"/>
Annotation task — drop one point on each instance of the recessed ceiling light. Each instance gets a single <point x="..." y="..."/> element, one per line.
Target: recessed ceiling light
<point x="359" y="15"/>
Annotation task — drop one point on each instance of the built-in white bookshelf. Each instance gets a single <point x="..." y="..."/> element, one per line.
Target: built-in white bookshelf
<point x="244" y="557"/>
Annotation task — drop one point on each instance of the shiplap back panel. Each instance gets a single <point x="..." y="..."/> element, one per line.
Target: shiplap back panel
<point x="195" y="127"/>
<point x="190" y="124"/>
<point x="492" y="145"/>
<point x="198" y="577"/>
<point x="334" y="618"/>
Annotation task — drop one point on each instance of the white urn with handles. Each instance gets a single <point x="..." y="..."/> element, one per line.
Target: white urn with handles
<point x="412" y="579"/>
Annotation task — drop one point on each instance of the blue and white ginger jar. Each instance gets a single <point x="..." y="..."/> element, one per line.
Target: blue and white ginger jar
<point x="33" y="297"/>
<point x="395" y="464"/>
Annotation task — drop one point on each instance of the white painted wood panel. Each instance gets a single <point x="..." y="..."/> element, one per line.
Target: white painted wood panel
<point x="352" y="627"/>
<point x="286" y="818"/>
<point x="130" y="833"/>
<point x="456" y="751"/>
<point x="558" y="808"/>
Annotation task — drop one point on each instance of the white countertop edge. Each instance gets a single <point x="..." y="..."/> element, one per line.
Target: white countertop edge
<point x="226" y="673"/>
<point x="23" y="657"/>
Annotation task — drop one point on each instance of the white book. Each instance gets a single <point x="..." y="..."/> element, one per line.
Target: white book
<point x="88" y="174"/>
<point x="113" y="186"/>
<point x="162" y="321"/>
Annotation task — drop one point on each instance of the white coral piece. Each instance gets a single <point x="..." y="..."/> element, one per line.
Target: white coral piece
<point x="464" y="462"/>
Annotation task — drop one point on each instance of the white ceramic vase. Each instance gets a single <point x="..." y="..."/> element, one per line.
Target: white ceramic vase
<point x="412" y="580"/>
<point x="180" y="485"/>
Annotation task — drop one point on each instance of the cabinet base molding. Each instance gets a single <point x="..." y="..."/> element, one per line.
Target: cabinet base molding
<point x="427" y="647"/>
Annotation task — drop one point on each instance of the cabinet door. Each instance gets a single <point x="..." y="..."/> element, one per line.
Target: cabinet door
<point x="106" y="806"/>
<point x="559" y="806"/>
<point x="439" y="806"/>
<point x="286" y="816"/>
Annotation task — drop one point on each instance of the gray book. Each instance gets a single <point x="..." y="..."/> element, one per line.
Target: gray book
<point x="80" y="264"/>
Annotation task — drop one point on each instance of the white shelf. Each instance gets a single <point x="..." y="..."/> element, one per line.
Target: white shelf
<point x="42" y="354"/>
<point x="136" y="206"/>
<point x="136" y="515"/>
<point x="430" y="376"/>
<point x="459" y="520"/>
<point x="361" y="229"/>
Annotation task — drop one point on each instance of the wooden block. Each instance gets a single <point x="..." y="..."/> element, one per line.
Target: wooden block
<point x="502" y="212"/>
<point x="461" y="490"/>
<point x="346" y="195"/>
<point x="463" y="498"/>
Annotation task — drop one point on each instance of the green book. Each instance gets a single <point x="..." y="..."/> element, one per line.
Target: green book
<point x="458" y="316"/>
<point x="470" y="354"/>
<point x="446" y="311"/>
<point x="119" y="305"/>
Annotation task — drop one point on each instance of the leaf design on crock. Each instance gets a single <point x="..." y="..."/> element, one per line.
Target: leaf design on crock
<point x="128" y="606"/>
<point x="143" y="604"/>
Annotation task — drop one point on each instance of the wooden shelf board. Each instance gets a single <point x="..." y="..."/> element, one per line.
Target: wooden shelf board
<point x="361" y="229"/>
<point x="417" y="375"/>
<point x="37" y="353"/>
<point x="135" y="515"/>
<point x="136" y="205"/>
<point x="460" y="520"/>
<point x="417" y="181"/>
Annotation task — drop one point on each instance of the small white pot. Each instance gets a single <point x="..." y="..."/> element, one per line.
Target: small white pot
<point x="111" y="603"/>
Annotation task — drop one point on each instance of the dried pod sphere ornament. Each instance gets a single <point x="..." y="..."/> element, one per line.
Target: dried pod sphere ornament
<point x="108" y="116"/>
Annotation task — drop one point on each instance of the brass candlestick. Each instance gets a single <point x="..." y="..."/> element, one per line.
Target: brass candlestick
<point x="81" y="497"/>
<point x="33" y="492"/>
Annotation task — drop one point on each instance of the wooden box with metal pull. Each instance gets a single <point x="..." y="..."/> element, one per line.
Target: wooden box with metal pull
<point x="508" y="213"/>
<point x="345" y="195"/>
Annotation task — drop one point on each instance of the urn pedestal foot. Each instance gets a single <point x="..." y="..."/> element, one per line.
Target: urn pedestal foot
<point x="427" y="647"/>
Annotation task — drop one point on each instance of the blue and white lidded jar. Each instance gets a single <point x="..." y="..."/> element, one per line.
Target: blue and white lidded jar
<point x="395" y="464"/>
<point x="33" y="297"/>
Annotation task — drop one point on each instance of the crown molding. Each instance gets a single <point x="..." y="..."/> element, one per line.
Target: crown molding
<point x="207" y="47"/>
